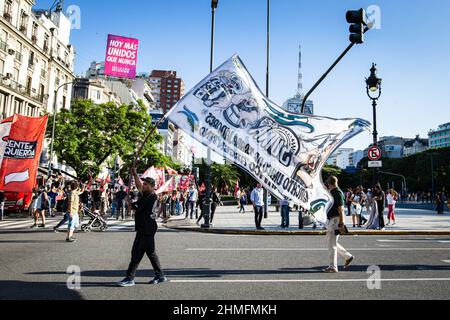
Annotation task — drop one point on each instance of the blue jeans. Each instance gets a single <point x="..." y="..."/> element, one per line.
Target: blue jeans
<point x="63" y="221"/>
<point x="285" y="216"/>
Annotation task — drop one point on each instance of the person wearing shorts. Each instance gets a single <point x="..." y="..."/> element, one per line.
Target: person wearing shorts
<point x="74" y="207"/>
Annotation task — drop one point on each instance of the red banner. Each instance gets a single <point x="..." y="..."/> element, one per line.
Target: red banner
<point x="20" y="150"/>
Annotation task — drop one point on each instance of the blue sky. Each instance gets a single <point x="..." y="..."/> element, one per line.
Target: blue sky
<point x="412" y="50"/>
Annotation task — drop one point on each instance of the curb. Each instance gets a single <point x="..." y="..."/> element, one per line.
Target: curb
<point x="314" y="233"/>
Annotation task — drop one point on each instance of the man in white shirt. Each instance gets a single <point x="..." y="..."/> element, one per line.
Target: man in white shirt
<point x="192" y="200"/>
<point x="257" y="198"/>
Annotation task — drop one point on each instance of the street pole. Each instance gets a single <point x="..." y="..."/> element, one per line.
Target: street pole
<point x="373" y="85"/>
<point x="432" y="177"/>
<point x="266" y="195"/>
<point x="375" y="138"/>
<point x="50" y="170"/>
<point x="207" y="205"/>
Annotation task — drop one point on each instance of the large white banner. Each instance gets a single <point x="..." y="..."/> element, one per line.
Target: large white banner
<point x="228" y="113"/>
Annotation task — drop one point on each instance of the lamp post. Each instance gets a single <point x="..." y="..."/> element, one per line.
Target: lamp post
<point x="207" y="205"/>
<point x="50" y="169"/>
<point x="266" y="193"/>
<point x="373" y="86"/>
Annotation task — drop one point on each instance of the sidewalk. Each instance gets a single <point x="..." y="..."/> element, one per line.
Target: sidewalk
<point x="228" y="221"/>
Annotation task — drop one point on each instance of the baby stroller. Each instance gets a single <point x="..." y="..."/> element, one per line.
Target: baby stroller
<point x="95" y="221"/>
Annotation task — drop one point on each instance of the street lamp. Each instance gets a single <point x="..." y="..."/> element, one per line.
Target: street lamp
<point x="373" y="86"/>
<point x="50" y="169"/>
<point x="207" y="205"/>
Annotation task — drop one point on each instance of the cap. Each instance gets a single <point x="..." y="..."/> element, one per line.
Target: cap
<point x="150" y="181"/>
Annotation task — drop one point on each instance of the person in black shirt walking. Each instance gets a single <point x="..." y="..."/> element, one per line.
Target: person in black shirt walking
<point x="146" y="210"/>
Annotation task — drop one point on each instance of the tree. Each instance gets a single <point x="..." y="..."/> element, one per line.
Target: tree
<point x="88" y="134"/>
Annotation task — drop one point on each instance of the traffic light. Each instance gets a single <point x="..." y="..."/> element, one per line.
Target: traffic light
<point x="357" y="19"/>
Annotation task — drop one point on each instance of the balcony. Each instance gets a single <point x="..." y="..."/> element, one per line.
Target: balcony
<point x="7" y="16"/>
<point x="23" y="29"/>
<point x="17" y="87"/>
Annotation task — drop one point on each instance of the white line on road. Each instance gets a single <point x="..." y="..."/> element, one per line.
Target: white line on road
<point x="416" y="241"/>
<point x="446" y="261"/>
<point x="315" y="249"/>
<point x="309" y="280"/>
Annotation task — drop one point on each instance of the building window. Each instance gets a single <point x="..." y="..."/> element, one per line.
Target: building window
<point x="2" y="67"/>
<point x="7" y="12"/>
<point x="34" y="33"/>
<point x="46" y="42"/>
<point x="16" y="75"/>
<point x="23" y="22"/>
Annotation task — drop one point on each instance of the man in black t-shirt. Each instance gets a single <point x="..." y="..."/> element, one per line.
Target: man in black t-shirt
<point x="120" y="198"/>
<point x="146" y="208"/>
<point x="335" y="227"/>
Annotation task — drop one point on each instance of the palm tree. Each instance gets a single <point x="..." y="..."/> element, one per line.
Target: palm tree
<point x="224" y="176"/>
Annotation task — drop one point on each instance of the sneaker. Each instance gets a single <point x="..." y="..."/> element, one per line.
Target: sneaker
<point x="33" y="226"/>
<point x="349" y="262"/>
<point x="158" y="280"/>
<point x="55" y="230"/>
<point x="126" y="283"/>
<point x="71" y="240"/>
<point x="42" y="226"/>
<point x="330" y="270"/>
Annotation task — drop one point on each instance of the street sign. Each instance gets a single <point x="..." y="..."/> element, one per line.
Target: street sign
<point x="375" y="164"/>
<point x="374" y="153"/>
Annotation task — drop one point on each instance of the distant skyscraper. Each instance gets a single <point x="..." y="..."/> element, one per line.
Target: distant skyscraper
<point x="294" y="104"/>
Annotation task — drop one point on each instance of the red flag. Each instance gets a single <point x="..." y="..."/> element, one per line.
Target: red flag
<point x="20" y="150"/>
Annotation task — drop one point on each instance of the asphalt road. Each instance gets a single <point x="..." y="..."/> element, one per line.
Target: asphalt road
<point x="33" y="265"/>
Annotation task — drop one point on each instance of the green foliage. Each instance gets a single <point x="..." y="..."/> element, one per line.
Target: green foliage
<point x="416" y="169"/>
<point x="88" y="134"/>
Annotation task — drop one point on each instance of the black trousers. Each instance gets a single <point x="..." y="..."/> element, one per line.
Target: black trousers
<point x="381" y="217"/>
<point x="259" y="211"/>
<point x="144" y="244"/>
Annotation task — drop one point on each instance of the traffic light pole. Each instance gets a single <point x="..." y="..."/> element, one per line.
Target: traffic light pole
<point x="350" y="46"/>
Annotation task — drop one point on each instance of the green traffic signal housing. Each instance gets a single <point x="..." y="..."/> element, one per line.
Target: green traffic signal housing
<point x="358" y="21"/>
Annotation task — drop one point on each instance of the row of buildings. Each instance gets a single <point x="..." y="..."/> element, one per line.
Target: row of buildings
<point x="37" y="75"/>
<point x="395" y="147"/>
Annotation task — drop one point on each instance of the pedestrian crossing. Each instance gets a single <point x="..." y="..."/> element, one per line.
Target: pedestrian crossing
<point x="25" y="224"/>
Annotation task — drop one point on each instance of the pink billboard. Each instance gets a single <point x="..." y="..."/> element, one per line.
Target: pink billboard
<point x="121" y="57"/>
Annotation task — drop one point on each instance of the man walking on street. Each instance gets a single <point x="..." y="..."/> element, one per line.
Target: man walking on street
<point x="335" y="227"/>
<point x="74" y="207"/>
<point x="257" y="198"/>
<point x="146" y="227"/>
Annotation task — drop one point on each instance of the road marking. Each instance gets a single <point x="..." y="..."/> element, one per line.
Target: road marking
<point x="309" y="280"/>
<point x="315" y="249"/>
<point x="446" y="261"/>
<point x="428" y="240"/>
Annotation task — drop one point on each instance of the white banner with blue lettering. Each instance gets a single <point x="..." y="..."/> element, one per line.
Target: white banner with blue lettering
<point x="286" y="152"/>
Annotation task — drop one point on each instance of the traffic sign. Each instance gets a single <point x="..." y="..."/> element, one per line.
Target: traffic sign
<point x="374" y="153"/>
<point x="375" y="164"/>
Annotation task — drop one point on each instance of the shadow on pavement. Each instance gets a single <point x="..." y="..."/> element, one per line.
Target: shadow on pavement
<point x="31" y="241"/>
<point x="209" y="273"/>
<point x="21" y="290"/>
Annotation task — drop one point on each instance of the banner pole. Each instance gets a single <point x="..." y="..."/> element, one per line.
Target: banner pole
<point x="138" y="153"/>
